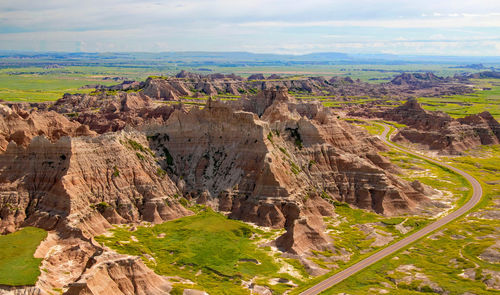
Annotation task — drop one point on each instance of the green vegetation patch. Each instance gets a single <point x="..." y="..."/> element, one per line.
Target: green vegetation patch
<point x="18" y="267"/>
<point x="214" y="252"/>
<point x="372" y="128"/>
<point x="486" y="98"/>
<point x="35" y="84"/>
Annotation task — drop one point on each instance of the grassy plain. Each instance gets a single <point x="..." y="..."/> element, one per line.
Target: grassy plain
<point x="18" y="267"/>
<point x="38" y="84"/>
<point x="486" y="98"/>
<point x="35" y="83"/>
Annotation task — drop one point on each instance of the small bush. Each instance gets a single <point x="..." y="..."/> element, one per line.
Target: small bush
<point x="295" y="169"/>
<point x="116" y="172"/>
<point x="283" y="150"/>
<point x="168" y="156"/>
<point x="270" y="137"/>
<point x="160" y="172"/>
<point x="325" y="196"/>
<point x="101" y="207"/>
<point x="294" y="133"/>
<point x="184" y="202"/>
<point x="139" y="147"/>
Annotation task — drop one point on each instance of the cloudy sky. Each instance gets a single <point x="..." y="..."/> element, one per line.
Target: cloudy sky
<point x="421" y="27"/>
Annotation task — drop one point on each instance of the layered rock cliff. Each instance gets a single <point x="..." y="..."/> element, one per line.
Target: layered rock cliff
<point x="261" y="159"/>
<point x="438" y="131"/>
<point x="84" y="183"/>
<point x="21" y="126"/>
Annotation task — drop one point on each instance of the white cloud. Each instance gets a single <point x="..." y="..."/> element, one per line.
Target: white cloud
<point x="257" y="25"/>
<point x="485" y="20"/>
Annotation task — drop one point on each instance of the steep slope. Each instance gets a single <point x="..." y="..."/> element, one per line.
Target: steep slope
<point x="84" y="183"/>
<point x="110" y="113"/>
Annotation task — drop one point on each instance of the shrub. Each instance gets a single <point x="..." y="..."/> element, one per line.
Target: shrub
<point x="168" y="156"/>
<point x="160" y="172"/>
<point x="184" y="202"/>
<point x="101" y="207"/>
<point x="270" y="137"/>
<point x="294" y="133"/>
<point x="283" y="150"/>
<point x="295" y="169"/>
<point x="139" y="147"/>
<point x="116" y="172"/>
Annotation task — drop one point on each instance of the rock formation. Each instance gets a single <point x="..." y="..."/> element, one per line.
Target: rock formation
<point x="21" y="126"/>
<point x="261" y="169"/>
<point x="438" y="131"/>
<point x="268" y="159"/>
<point x="109" y="113"/>
<point x="84" y="183"/>
<point x="115" y="274"/>
<point x="187" y="84"/>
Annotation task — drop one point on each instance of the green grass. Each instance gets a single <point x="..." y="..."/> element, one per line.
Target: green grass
<point x="459" y="106"/>
<point x="394" y="124"/>
<point x="219" y="250"/>
<point x="35" y="84"/>
<point x="372" y="128"/>
<point x="414" y="168"/>
<point x="349" y="237"/>
<point x="29" y="84"/>
<point x="18" y="267"/>
<point x="456" y="247"/>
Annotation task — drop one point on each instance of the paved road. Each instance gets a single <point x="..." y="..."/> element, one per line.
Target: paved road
<point x="476" y="197"/>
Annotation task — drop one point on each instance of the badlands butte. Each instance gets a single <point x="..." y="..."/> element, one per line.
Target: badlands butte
<point x="142" y="153"/>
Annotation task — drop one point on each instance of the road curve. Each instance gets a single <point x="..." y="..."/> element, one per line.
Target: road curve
<point x="476" y="197"/>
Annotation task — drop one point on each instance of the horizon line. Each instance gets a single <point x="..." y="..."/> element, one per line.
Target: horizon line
<point x="249" y="52"/>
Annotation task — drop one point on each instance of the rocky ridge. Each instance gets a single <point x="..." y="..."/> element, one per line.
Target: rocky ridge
<point x="187" y="84"/>
<point x="437" y="130"/>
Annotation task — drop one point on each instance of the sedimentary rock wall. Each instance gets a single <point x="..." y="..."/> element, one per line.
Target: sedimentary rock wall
<point x="21" y="126"/>
<point x="440" y="132"/>
<point x="263" y="169"/>
<point x="77" y="181"/>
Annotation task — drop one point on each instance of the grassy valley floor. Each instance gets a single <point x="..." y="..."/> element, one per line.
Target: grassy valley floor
<point x="210" y="252"/>
<point x="463" y="257"/>
<point x="18" y="267"/>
